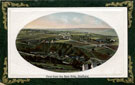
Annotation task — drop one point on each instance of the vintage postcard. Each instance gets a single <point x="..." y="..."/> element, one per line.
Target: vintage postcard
<point x="67" y="42"/>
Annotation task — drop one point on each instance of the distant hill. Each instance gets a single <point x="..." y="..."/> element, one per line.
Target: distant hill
<point x="101" y="31"/>
<point x="109" y="32"/>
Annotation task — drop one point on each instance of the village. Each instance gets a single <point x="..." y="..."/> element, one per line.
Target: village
<point x="81" y="50"/>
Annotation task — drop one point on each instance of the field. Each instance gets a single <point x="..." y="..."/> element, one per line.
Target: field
<point x="65" y="50"/>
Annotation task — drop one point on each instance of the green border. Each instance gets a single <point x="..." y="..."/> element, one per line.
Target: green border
<point x="67" y="3"/>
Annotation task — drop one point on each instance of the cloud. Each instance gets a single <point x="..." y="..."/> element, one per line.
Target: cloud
<point x="64" y="19"/>
<point x="67" y="20"/>
<point x="76" y="20"/>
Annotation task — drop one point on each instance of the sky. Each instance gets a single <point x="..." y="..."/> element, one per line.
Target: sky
<point x="67" y="20"/>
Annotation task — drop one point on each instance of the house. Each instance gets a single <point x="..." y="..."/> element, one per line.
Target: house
<point x="52" y="41"/>
<point x="112" y="40"/>
<point x="86" y="67"/>
<point x="66" y="62"/>
<point x="96" y="62"/>
<point x="66" y="56"/>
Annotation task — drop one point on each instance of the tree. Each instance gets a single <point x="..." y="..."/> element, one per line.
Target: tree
<point x="76" y="64"/>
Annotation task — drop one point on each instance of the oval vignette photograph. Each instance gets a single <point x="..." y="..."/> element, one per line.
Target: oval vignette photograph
<point x="67" y="42"/>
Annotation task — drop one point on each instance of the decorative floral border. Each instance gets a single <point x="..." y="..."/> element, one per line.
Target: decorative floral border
<point x="5" y="5"/>
<point x="130" y="6"/>
<point x="130" y="78"/>
<point x="5" y="78"/>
